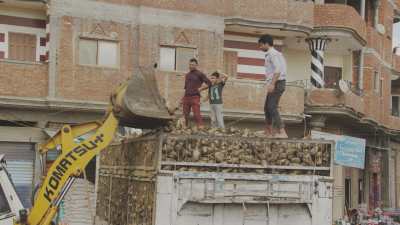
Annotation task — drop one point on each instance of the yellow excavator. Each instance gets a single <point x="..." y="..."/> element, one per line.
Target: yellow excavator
<point x="136" y="103"/>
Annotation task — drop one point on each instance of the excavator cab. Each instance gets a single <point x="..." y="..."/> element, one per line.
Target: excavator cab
<point x="136" y="103"/>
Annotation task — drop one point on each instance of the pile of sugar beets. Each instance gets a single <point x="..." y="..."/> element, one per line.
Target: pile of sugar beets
<point x="239" y="146"/>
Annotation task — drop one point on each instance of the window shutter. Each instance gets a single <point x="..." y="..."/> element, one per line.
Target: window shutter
<point x="87" y="52"/>
<point x="183" y="55"/>
<point x="22" y="47"/>
<point x="167" y="58"/>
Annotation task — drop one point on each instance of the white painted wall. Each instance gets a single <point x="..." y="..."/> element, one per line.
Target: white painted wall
<point x="22" y="12"/>
<point x="299" y="64"/>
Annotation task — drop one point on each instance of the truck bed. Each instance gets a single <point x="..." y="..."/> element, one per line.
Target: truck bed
<point x="199" y="179"/>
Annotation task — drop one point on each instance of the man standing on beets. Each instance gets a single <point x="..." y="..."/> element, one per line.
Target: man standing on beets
<point x="193" y="86"/>
<point x="275" y="76"/>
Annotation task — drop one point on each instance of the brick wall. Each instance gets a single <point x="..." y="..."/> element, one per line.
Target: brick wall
<point x="23" y="79"/>
<point x="374" y="40"/>
<point x="377" y="106"/>
<point x="212" y="7"/>
<point x="272" y="10"/>
<point x="296" y="12"/>
<point x="77" y="82"/>
<point x="139" y="45"/>
<point x="338" y="15"/>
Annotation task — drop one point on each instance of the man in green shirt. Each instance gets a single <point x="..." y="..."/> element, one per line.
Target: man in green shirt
<point x="215" y="97"/>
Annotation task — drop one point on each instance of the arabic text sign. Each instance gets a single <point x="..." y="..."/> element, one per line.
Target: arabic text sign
<point x="350" y="151"/>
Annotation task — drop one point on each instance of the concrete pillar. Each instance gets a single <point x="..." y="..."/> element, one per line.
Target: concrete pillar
<point x="318" y="122"/>
<point x="376" y="5"/>
<point x="317" y="47"/>
<point x="392" y="179"/>
<point x="361" y="70"/>
<point x="338" y="192"/>
<point x="52" y="58"/>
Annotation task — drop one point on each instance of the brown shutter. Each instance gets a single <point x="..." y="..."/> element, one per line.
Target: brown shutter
<point x="22" y="46"/>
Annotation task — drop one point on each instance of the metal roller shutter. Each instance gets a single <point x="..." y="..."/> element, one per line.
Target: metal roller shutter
<point x="20" y="164"/>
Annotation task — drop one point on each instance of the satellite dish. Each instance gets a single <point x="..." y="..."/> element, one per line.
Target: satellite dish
<point x="344" y="87"/>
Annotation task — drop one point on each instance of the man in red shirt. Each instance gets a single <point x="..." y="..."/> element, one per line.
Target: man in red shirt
<point x="193" y="86"/>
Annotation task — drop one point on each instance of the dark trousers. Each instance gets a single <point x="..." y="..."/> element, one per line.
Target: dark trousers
<point x="272" y="116"/>
<point x="192" y="103"/>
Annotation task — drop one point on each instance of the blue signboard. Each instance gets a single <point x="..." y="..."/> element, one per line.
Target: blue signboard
<point x="350" y="151"/>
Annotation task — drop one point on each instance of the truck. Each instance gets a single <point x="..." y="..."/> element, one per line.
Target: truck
<point x="176" y="178"/>
<point x="179" y="177"/>
<point x="9" y="200"/>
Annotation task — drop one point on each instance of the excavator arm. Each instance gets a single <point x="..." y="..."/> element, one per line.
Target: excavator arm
<point x="72" y="161"/>
<point x="136" y="103"/>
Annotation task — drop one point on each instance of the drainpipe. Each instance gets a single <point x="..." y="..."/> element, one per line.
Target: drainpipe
<point x="376" y="3"/>
<point x="361" y="70"/>
<point x="362" y="13"/>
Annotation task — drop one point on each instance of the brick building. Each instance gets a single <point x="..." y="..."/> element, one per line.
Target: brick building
<point x="59" y="61"/>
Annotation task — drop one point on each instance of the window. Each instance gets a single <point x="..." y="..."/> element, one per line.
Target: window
<point x="4" y="207"/>
<point x="396" y="35"/>
<point x="371" y="13"/>
<point x="376" y="81"/>
<point x="353" y="3"/>
<point x="98" y="52"/>
<point x="347" y="192"/>
<point x="360" y="191"/>
<point x="395" y="105"/>
<point x="22" y="47"/>
<point x="381" y="87"/>
<point x="332" y="76"/>
<point x="175" y="58"/>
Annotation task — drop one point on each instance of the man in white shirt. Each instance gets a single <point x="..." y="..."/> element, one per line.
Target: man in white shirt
<point x="275" y="77"/>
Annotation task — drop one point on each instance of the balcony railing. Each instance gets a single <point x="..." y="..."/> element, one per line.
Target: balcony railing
<point x="271" y="12"/>
<point x="306" y="84"/>
<point x="23" y="79"/>
<point x="396" y="62"/>
<point x="241" y="97"/>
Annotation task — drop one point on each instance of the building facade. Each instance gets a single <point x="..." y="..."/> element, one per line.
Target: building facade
<point x="60" y="60"/>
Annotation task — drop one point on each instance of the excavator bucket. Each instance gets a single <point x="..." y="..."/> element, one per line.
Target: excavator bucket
<point x="140" y="104"/>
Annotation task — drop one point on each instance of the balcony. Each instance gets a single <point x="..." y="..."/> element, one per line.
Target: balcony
<point x="336" y="101"/>
<point x="242" y="98"/>
<point x="23" y="79"/>
<point x="394" y="123"/>
<point x="368" y="109"/>
<point x="342" y="23"/>
<point x="262" y="16"/>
